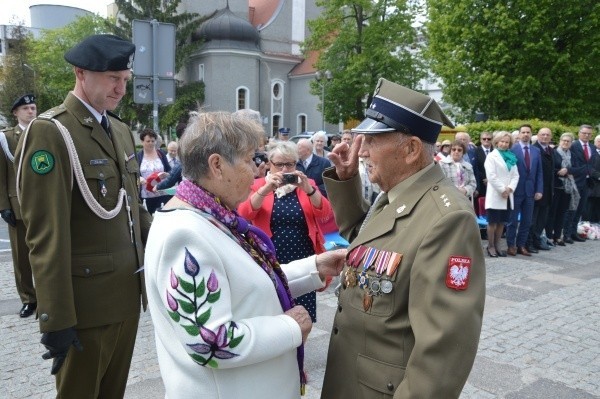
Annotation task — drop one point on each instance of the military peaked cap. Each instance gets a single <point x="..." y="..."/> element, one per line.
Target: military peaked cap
<point x="396" y="108"/>
<point x="102" y="53"/>
<point x="284" y="130"/>
<point x="24" y="100"/>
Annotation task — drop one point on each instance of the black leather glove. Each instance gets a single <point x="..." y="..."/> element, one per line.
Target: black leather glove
<point x="58" y="344"/>
<point x="9" y="216"/>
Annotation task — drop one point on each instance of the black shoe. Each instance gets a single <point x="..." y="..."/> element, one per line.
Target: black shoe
<point x="559" y="243"/>
<point x="575" y="237"/>
<point x="543" y="247"/>
<point x="492" y="255"/>
<point x="532" y="250"/>
<point x="28" y="309"/>
<point x="568" y="240"/>
<point x="501" y="254"/>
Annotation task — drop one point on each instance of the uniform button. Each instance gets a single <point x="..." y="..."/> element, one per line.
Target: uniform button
<point x="390" y="386"/>
<point x="339" y="308"/>
<point x="44" y="317"/>
<point x="129" y="198"/>
<point x="335" y="330"/>
<point x="101" y="175"/>
<point x="87" y="271"/>
<point x="435" y="188"/>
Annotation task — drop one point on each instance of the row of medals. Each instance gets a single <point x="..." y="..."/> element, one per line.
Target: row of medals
<point x="376" y="259"/>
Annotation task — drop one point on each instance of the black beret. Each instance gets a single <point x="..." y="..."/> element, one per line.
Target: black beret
<point x="26" y="99"/>
<point x="102" y="53"/>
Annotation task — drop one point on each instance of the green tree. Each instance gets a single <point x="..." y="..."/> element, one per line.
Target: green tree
<point x="185" y="24"/>
<point x="359" y="42"/>
<point x="55" y="76"/>
<point x="518" y="59"/>
<point x="17" y="75"/>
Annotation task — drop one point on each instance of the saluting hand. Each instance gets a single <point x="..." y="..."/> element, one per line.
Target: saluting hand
<point x="345" y="158"/>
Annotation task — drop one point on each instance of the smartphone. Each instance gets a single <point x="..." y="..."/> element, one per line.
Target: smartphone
<point x="289" y="178"/>
<point x="260" y="157"/>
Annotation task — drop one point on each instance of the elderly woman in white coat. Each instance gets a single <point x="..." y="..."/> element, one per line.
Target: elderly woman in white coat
<point x="222" y="306"/>
<point x="503" y="177"/>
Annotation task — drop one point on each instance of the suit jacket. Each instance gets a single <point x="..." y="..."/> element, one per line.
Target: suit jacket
<point x="8" y="190"/>
<point x="479" y="168"/>
<point x="261" y="217"/>
<point x="315" y="171"/>
<point x="530" y="181"/>
<point x="405" y="344"/>
<point x="499" y="177"/>
<point x="548" y="175"/>
<point x="595" y="177"/>
<point x="580" y="168"/>
<point x="84" y="266"/>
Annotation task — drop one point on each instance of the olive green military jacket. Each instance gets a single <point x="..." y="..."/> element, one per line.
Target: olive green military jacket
<point x="8" y="190"/>
<point x="419" y="339"/>
<point x="85" y="268"/>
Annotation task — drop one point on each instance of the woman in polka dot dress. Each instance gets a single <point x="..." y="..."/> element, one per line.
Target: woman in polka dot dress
<point x="289" y="211"/>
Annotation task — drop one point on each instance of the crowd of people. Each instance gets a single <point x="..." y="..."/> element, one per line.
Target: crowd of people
<point x="229" y="265"/>
<point x="531" y="190"/>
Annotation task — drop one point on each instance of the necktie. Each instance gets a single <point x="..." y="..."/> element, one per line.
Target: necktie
<point x="586" y="154"/>
<point x="487" y="152"/>
<point x="305" y="164"/>
<point x="527" y="159"/>
<point x="548" y="150"/>
<point x="104" y="123"/>
<point x="380" y="202"/>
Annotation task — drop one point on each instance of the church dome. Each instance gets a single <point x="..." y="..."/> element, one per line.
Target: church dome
<point x="227" y="30"/>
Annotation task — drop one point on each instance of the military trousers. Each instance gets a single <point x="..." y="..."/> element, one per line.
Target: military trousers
<point x="100" y="371"/>
<point x="21" y="265"/>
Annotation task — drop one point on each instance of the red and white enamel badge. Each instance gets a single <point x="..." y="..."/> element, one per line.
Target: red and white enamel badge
<point x="459" y="272"/>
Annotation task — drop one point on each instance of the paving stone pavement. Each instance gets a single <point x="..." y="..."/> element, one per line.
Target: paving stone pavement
<point x="540" y="337"/>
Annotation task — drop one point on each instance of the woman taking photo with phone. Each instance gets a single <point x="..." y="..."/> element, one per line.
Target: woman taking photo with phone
<point x="287" y="206"/>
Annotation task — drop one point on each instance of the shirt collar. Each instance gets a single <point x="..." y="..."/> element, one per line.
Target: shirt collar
<point x="96" y="114"/>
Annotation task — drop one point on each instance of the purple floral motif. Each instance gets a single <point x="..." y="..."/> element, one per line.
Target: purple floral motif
<point x="191" y="266"/>
<point x="189" y="301"/>
<point x="213" y="283"/>
<point x="172" y="302"/>
<point x="174" y="280"/>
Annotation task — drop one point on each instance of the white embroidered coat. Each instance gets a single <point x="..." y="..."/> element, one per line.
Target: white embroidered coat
<point x="195" y="272"/>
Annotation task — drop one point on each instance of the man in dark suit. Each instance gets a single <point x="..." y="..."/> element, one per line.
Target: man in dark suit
<point x="86" y="238"/>
<point x="529" y="189"/>
<point x="593" y="211"/>
<point x="583" y="155"/>
<point x="311" y="164"/>
<point x="542" y="206"/>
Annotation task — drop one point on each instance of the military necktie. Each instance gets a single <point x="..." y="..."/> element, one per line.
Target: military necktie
<point x="104" y="123"/>
<point x="380" y="202"/>
<point x="527" y="159"/>
<point x="586" y="152"/>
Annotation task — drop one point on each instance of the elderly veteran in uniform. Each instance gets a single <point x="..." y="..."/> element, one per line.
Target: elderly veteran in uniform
<point x="24" y="110"/>
<point x="411" y="300"/>
<point x="85" y="224"/>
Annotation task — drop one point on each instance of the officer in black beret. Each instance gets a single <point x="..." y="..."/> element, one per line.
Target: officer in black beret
<point x="24" y="110"/>
<point x="414" y="284"/>
<point x="86" y="236"/>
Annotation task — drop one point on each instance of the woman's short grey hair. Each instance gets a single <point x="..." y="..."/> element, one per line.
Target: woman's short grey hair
<point x="220" y="133"/>
<point x="569" y="135"/>
<point x="320" y="134"/>
<point x="287" y="149"/>
<point x="500" y="135"/>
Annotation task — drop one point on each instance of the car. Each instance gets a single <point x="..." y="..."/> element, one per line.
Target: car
<point x="308" y="135"/>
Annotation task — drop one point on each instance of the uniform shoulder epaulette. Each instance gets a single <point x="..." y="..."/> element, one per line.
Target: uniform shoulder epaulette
<point x="53" y="112"/>
<point x="7" y="129"/>
<point x="114" y="115"/>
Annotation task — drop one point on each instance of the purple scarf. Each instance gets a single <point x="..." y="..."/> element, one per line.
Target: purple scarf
<point x="254" y="241"/>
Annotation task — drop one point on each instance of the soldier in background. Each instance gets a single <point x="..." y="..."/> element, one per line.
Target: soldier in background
<point x="86" y="227"/>
<point x="24" y="110"/>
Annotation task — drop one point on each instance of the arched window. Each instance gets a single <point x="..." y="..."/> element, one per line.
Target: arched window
<point x="243" y="100"/>
<point x="301" y="123"/>
<point x="276" y="124"/>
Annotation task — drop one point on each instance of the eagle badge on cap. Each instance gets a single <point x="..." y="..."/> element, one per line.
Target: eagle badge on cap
<point x="130" y="63"/>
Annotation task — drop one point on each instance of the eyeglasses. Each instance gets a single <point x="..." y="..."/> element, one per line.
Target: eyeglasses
<point x="486" y="138"/>
<point x="281" y="165"/>
<point x="457" y="149"/>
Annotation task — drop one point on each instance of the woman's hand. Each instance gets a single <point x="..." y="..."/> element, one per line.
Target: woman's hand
<point x="331" y="263"/>
<point x="301" y="316"/>
<point x="304" y="182"/>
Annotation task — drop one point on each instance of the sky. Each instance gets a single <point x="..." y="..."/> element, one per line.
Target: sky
<point x="12" y="11"/>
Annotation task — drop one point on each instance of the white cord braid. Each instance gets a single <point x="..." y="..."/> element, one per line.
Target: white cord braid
<point x="80" y="178"/>
<point x="4" y="145"/>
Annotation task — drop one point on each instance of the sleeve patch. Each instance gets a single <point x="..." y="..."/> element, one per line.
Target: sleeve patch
<point x="42" y="162"/>
<point x="459" y="272"/>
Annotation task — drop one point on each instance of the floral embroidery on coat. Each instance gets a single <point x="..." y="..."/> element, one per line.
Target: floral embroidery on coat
<point x="189" y="301"/>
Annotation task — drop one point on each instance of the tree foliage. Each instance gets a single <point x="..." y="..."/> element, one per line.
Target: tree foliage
<point x="16" y="72"/>
<point x="359" y="42"/>
<point x="518" y="59"/>
<point x="185" y="24"/>
<point x="55" y="75"/>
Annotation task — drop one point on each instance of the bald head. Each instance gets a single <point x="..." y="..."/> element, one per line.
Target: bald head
<point x="305" y="148"/>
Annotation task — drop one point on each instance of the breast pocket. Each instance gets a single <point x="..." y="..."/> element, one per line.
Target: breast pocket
<point x="104" y="183"/>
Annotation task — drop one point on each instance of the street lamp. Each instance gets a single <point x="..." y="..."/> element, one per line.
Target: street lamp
<point x="319" y="76"/>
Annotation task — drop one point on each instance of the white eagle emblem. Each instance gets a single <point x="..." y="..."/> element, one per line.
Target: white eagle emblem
<point x="459" y="275"/>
